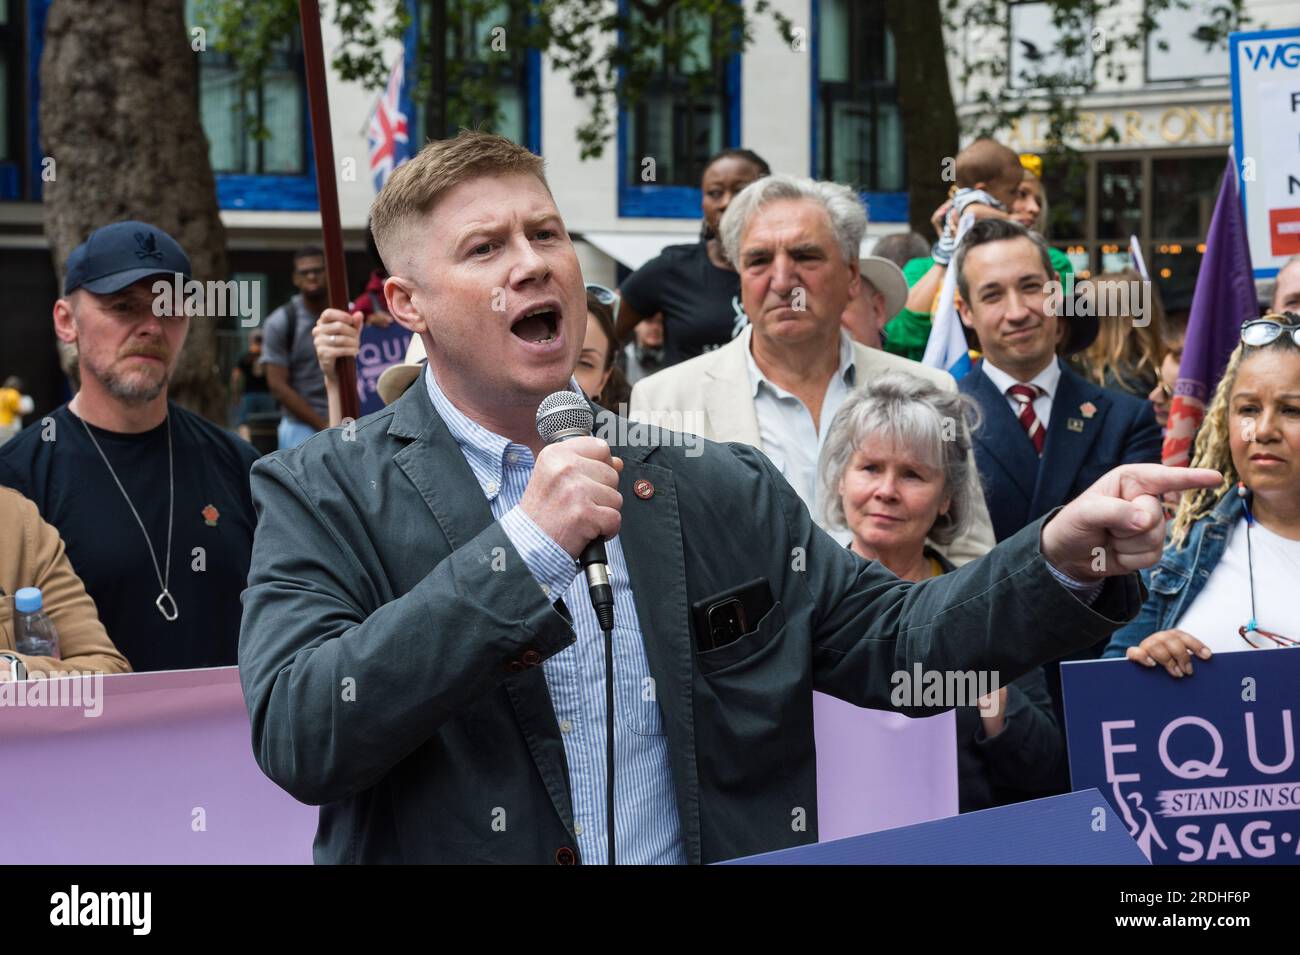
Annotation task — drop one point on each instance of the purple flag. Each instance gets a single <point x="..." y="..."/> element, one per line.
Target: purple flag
<point x="1224" y="298"/>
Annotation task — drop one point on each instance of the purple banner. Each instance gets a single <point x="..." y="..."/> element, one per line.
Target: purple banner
<point x="140" y="768"/>
<point x="157" y="768"/>
<point x="380" y="348"/>
<point x="1200" y="770"/>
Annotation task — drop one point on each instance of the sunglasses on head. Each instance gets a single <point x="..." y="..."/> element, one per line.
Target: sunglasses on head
<point x="606" y="296"/>
<point x="1262" y="331"/>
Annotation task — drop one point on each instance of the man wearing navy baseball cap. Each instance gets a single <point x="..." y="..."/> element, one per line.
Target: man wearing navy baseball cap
<point x="151" y="500"/>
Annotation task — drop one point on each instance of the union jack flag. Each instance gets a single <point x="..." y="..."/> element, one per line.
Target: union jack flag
<point x="387" y="136"/>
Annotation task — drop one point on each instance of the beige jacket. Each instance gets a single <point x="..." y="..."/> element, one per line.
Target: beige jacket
<point x="32" y="555"/>
<point x="716" y="385"/>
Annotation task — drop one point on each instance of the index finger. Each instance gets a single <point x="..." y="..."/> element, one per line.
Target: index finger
<point x="1158" y="479"/>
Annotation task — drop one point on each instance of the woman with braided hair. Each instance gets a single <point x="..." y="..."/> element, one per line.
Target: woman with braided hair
<point x="1228" y="573"/>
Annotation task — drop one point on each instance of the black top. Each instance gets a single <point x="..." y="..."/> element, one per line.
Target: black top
<point x="700" y="302"/>
<point x="1026" y="760"/>
<point x="54" y="463"/>
<point x="254" y="374"/>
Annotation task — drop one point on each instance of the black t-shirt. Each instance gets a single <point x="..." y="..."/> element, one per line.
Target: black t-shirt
<point x="54" y="463"/>
<point x="254" y="374"/>
<point x="700" y="302"/>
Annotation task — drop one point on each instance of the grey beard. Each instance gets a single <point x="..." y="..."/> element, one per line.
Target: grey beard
<point x="129" y="394"/>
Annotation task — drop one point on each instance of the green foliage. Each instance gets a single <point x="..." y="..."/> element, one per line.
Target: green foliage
<point x="366" y="25"/>
<point x="614" y="53"/>
<point x="686" y="40"/>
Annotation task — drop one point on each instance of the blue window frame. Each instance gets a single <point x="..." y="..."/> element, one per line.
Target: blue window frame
<point x="234" y="190"/>
<point x="663" y="127"/>
<point x="518" y="82"/>
<point x="272" y="173"/>
<point x="22" y="39"/>
<point x="12" y="113"/>
<point x="857" y="129"/>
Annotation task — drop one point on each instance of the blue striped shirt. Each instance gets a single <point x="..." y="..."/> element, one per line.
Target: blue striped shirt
<point x="648" y="829"/>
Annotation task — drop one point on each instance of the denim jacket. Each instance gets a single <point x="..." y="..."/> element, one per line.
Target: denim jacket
<point x="1180" y="575"/>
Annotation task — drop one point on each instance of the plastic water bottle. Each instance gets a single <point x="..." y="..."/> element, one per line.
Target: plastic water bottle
<point x="34" y="633"/>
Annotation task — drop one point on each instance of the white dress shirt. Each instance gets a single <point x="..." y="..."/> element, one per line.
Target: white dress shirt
<point x="785" y="425"/>
<point x="1224" y="604"/>
<point x="647" y="824"/>
<point x="1047" y="381"/>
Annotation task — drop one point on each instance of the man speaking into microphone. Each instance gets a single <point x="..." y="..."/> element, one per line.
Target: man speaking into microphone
<point x="419" y="653"/>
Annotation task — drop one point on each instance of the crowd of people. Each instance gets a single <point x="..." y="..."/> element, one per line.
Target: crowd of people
<point x="772" y="334"/>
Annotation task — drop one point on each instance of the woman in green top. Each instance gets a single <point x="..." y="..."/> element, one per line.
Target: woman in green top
<point x="909" y="330"/>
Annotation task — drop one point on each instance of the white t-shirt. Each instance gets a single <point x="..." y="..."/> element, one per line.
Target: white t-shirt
<point x="1224" y="603"/>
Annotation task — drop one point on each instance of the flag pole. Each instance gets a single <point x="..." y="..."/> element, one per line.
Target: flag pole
<point x="336" y="272"/>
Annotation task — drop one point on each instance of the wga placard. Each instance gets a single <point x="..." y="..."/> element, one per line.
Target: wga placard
<point x="1201" y="769"/>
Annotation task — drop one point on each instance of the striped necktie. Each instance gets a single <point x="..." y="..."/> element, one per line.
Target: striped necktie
<point x="1024" y="396"/>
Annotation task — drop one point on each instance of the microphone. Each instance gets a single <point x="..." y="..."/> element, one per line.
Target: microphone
<point x="561" y="416"/>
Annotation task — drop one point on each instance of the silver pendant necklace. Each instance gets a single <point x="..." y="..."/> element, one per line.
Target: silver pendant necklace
<point x="165" y="603"/>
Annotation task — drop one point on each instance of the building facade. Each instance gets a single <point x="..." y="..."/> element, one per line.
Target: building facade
<point x="1152" y="146"/>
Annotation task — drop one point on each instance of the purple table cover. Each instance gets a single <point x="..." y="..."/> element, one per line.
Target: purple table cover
<point x="879" y="770"/>
<point x="164" y="774"/>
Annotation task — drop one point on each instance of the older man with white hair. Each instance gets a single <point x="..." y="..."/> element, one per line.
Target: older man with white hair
<point x="777" y="386"/>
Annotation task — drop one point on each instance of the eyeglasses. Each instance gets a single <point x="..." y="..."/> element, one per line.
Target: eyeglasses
<point x="1277" y="638"/>
<point x="606" y="296"/>
<point x="1262" y="331"/>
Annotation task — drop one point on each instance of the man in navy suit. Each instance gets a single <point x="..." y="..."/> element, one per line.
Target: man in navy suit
<point x="1046" y="432"/>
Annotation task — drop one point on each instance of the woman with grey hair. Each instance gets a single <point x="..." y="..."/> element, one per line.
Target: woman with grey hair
<point x="895" y="472"/>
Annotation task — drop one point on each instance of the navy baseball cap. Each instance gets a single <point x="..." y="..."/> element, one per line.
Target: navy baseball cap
<point x="121" y="254"/>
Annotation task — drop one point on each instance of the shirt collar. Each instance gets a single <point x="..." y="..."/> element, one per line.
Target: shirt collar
<point x="847" y="370"/>
<point x="486" y="452"/>
<point x="1048" y="379"/>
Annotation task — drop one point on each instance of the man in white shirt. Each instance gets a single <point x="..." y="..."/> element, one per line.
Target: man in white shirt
<point x="778" y="384"/>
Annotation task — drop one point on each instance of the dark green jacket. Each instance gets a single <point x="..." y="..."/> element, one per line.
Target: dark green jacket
<point x="392" y="638"/>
